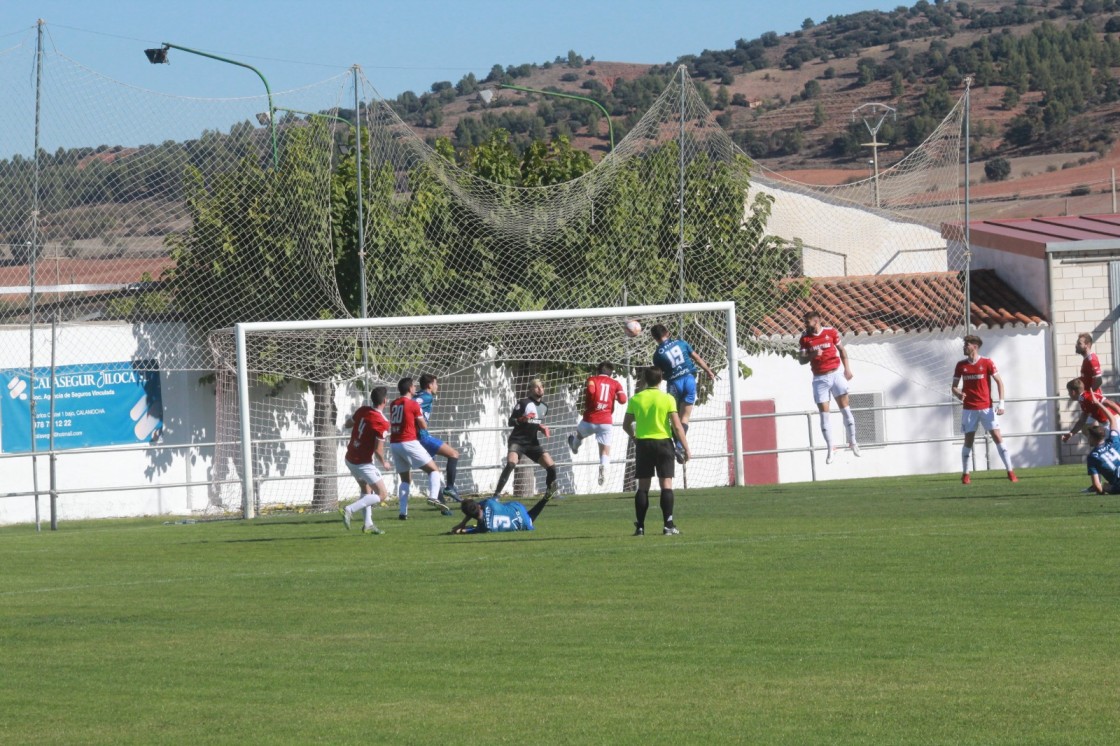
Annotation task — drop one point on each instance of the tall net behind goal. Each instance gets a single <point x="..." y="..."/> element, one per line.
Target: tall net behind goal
<point x="151" y="222"/>
<point x="484" y="365"/>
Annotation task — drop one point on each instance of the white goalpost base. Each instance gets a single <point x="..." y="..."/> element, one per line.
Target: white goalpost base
<point x="483" y="362"/>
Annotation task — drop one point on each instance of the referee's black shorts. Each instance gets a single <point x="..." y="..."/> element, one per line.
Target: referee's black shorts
<point x="654" y="456"/>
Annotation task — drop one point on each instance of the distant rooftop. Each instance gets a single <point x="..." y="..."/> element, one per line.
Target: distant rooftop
<point x="1040" y="236"/>
<point x="895" y="304"/>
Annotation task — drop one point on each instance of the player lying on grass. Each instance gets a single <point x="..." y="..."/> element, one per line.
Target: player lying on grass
<point x="1103" y="462"/>
<point x="492" y="515"/>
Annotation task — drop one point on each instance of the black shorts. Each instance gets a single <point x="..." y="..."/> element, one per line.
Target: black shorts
<point x="654" y="456"/>
<point x="533" y="450"/>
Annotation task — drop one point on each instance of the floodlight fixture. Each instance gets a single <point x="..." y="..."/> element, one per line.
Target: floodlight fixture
<point x="159" y="57"/>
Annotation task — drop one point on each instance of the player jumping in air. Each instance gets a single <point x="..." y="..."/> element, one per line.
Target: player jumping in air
<point x="678" y="361"/>
<point x="429" y="387"/>
<point x="526" y="423"/>
<point x="406" y="422"/>
<point x="1091" y="374"/>
<point x="369" y="429"/>
<point x="600" y="393"/>
<point x="825" y="354"/>
<point x="972" y="385"/>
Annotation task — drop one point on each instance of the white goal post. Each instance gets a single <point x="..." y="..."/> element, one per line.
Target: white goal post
<point x="415" y="343"/>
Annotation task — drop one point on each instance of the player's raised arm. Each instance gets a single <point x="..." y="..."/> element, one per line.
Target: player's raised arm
<point x="703" y="365"/>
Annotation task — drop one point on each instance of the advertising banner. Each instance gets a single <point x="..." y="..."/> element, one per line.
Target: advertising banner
<point x="96" y="404"/>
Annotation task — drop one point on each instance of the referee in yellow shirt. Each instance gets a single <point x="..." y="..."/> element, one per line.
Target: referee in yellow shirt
<point x="652" y="420"/>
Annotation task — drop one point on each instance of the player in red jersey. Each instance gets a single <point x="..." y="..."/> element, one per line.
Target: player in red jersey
<point x="1093" y="407"/>
<point x="972" y="385"/>
<point x="822" y="349"/>
<point x="600" y="393"/>
<point x="1091" y="378"/>
<point x="407" y="420"/>
<point x="1090" y="363"/>
<point x="369" y="428"/>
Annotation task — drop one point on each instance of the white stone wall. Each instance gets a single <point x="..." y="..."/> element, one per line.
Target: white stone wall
<point x="906" y="369"/>
<point x="1081" y="304"/>
<point x="887" y="365"/>
<point x="1024" y="273"/>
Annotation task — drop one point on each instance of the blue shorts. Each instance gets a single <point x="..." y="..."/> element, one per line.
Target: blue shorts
<point x="683" y="389"/>
<point x="430" y="442"/>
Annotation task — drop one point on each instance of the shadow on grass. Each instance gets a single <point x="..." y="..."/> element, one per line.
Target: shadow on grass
<point x="275" y="538"/>
<point x="515" y="537"/>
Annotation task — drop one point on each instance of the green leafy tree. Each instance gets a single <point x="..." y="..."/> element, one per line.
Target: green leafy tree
<point x="997" y="169"/>
<point x="252" y="232"/>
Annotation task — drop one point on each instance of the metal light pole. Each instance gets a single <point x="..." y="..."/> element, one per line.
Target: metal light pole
<point x="159" y="57"/>
<point x="558" y="94"/>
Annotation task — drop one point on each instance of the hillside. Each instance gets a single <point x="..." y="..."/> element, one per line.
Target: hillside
<point x="1045" y="95"/>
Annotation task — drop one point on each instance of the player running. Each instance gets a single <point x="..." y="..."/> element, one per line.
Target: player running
<point x="429" y="387"/>
<point x="678" y="361"/>
<point x="367" y="441"/>
<point x="406" y="422"/>
<point x="493" y="515"/>
<point x="825" y="354"/>
<point x="972" y="385"/>
<point x="600" y="393"/>
<point x="526" y="423"/>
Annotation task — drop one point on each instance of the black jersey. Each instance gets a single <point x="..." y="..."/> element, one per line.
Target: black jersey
<point x="525" y="433"/>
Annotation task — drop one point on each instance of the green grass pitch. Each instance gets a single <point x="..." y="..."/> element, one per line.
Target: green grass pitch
<point x="895" y="611"/>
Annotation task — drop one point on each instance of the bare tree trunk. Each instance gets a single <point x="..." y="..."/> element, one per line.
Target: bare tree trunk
<point x="525" y="480"/>
<point x="325" y="493"/>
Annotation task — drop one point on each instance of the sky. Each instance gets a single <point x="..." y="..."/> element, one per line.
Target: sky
<point x="400" y="44"/>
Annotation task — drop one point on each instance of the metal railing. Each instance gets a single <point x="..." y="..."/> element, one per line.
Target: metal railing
<point x="811" y="449"/>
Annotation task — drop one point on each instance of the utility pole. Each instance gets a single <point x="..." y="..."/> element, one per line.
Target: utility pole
<point x="873" y="116"/>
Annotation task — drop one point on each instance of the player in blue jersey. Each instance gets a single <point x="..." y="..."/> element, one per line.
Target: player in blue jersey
<point x="493" y="515"/>
<point x="429" y="387"/>
<point x="1103" y="462"/>
<point x="677" y="361"/>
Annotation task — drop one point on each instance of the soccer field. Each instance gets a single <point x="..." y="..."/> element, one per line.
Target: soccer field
<point x="901" y="610"/>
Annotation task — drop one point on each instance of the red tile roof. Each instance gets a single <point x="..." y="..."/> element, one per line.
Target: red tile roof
<point x="891" y="304"/>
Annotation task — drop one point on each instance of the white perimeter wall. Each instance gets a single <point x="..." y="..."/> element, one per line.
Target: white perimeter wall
<point x="879" y="365"/>
<point x="189" y="406"/>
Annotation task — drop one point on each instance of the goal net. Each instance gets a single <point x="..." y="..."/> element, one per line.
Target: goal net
<point x="295" y="383"/>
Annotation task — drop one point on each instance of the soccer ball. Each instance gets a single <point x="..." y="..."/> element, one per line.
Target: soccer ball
<point x="632" y="328"/>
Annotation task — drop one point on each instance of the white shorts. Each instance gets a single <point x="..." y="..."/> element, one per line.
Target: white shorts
<point x="970" y="418"/>
<point x="601" y="432"/>
<point x="830" y="384"/>
<point x="409" y="455"/>
<point x="365" y="473"/>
